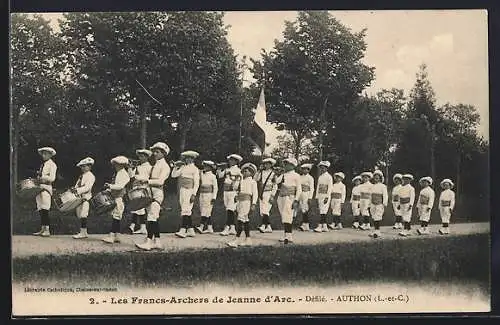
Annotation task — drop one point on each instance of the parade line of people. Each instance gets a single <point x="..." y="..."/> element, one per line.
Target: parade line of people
<point x="244" y="187"/>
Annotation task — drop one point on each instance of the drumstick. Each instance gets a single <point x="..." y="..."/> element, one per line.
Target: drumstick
<point x="147" y="92"/>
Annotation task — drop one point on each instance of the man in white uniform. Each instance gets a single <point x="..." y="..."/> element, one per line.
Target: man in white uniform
<point x="365" y="190"/>
<point x="142" y="171"/>
<point x="424" y="204"/>
<point x="156" y="180"/>
<point x="46" y="175"/>
<point x="397" y="179"/>
<point x="83" y="187"/>
<point x="307" y="184"/>
<point x="338" y="200"/>
<point x="355" y="198"/>
<point x="406" y="201"/>
<point x="379" y="200"/>
<point x="117" y="189"/>
<point x="289" y="189"/>
<point x="266" y="182"/>
<point x="208" y="194"/>
<point x="446" y="205"/>
<point x="323" y="194"/>
<point x="189" y="182"/>
<point x="232" y="178"/>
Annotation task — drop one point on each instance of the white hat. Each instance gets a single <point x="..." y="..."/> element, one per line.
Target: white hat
<point x="369" y="174"/>
<point x="122" y="160"/>
<point x="235" y="156"/>
<point x="410" y="176"/>
<point x="308" y="166"/>
<point x="190" y="153"/>
<point x="447" y="180"/>
<point x="208" y="163"/>
<point x="269" y="160"/>
<point x="162" y="146"/>
<point x="144" y="152"/>
<point x="291" y="161"/>
<point x="250" y="166"/>
<point x="397" y="176"/>
<point x="356" y="178"/>
<point x="426" y="178"/>
<point x="339" y="174"/>
<point x="379" y="173"/>
<point x="325" y="163"/>
<point x="85" y="161"/>
<point x="50" y="150"/>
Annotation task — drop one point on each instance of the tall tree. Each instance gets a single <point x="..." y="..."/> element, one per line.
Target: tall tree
<point x="313" y="74"/>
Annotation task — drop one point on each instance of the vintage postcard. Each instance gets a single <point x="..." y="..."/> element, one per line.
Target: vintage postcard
<point x="251" y="162"/>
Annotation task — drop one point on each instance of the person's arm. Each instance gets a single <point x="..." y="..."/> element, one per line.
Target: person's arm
<point x="330" y="187"/>
<point x="255" y="192"/>
<point x="412" y="196"/>
<point x="49" y="172"/>
<point x="343" y="191"/>
<point x="311" y="186"/>
<point x="275" y="185"/>
<point x="298" y="186"/>
<point x="162" y="177"/>
<point x="385" y="196"/>
<point x="431" y="199"/>
<point x="87" y="184"/>
<point x="215" y="187"/>
<point x="196" y="178"/>
<point x="121" y="181"/>
<point x="176" y="172"/>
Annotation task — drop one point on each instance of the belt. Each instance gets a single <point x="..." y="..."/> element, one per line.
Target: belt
<point x="244" y="197"/>
<point x="322" y="189"/>
<point x="336" y="196"/>
<point x="377" y="198"/>
<point x="356" y="197"/>
<point x="424" y="200"/>
<point x="186" y="182"/>
<point x="229" y="187"/>
<point x="306" y="188"/>
<point x="404" y="200"/>
<point x="206" y="188"/>
<point x="365" y="195"/>
<point x="395" y="198"/>
<point x="287" y="191"/>
<point x="268" y="188"/>
<point x="445" y="203"/>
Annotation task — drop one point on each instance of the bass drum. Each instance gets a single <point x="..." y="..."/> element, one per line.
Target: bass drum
<point x="103" y="202"/>
<point x="28" y="188"/>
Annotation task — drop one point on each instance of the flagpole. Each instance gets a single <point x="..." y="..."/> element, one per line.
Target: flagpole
<point x="263" y="87"/>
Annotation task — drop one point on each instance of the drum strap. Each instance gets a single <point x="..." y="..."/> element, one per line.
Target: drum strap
<point x="79" y="183"/>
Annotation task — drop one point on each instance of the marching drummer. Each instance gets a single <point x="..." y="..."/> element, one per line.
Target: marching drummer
<point x="446" y="205"/>
<point x="232" y="178"/>
<point x="289" y="190"/>
<point x="406" y="200"/>
<point x="379" y="200"/>
<point x="307" y="184"/>
<point x="337" y="201"/>
<point x="83" y="187"/>
<point x="46" y="175"/>
<point x="266" y="180"/>
<point x="364" y="202"/>
<point x="117" y="189"/>
<point x="355" y="197"/>
<point x="156" y="179"/>
<point x="189" y="182"/>
<point x="397" y="179"/>
<point x="424" y="204"/>
<point x="208" y="194"/>
<point x="142" y="171"/>
<point x="323" y="194"/>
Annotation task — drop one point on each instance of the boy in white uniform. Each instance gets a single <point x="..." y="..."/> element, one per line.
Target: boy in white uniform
<point x="424" y="204"/>
<point x="232" y="177"/>
<point x="337" y="201"/>
<point x="364" y="203"/>
<point x="266" y="183"/>
<point x="397" y="179"/>
<point x="289" y="190"/>
<point x="117" y="189"/>
<point x="246" y="199"/>
<point x="355" y="197"/>
<point x="189" y="182"/>
<point x="406" y="200"/>
<point x="142" y="171"/>
<point x="379" y="199"/>
<point x="46" y="175"/>
<point x="323" y="194"/>
<point x="446" y="205"/>
<point x="83" y="187"/>
<point x="208" y="194"/>
<point x="307" y="186"/>
<point x="156" y="179"/>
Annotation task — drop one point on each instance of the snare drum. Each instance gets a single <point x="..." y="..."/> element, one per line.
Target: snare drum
<point x="102" y="202"/>
<point x="68" y="201"/>
<point x="28" y="188"/>
<point x="139" y="198"/>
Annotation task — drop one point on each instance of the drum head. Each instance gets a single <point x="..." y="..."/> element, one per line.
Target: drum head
<point x="70" y="205"/>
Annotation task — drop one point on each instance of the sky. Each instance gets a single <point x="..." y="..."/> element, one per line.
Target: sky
<point x="453" y="44"/>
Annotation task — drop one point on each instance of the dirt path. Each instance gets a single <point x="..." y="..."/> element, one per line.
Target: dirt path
<point x="24" y="246"/>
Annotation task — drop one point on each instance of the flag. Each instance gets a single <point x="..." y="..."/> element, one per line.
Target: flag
<point x="257" y="134"/>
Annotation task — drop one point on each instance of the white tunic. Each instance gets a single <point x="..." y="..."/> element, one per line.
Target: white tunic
<point x="339" y="192"/>
<point x="325" y="185"/>
<point x="447" y="199"/>
<point x="307" y="184"/>
<point x="288" y="183"/>
<point x="426" y="197"/>
<point x="379" y="190"/>
<point x="208" y="184"/>
<point x="48" y="175"/>
<point x="84" y="185"/>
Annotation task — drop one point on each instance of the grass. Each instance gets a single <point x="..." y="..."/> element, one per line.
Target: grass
<point x="26" y="220"/>
<point x="459" y="259"/>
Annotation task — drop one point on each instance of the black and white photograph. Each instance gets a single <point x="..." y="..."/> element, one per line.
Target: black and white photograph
<point x="249" y="162"/>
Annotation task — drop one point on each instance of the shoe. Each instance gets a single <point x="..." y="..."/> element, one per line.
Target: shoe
<point x="404" y="233"/>
<point x="110" y="239"/>
<point x="141" y="231"/>
<point x="288" y="238"/>
<point x="190" y="232"/>
<point x="232" y="230"/>
<point x="355" y="225"/>
<point x="209" y="230"/>
<point x="319" y="228"/>
<point x="181" y="233"/>
<point x="268" y="229"/>
<point x="132" y="228"/>
<point x="225" y="232"/>
<point x="282" y="239"/>
<point x="157" y="244"/>
<point x="147" y="245"/>
<point x="116" y="239"/>
<point x="199" y="229"/>
<point x="246" y="242"/>
<point x="338" y="226"/>
<point x="235" y="243"/>
<point x="39" y="233"/>
<point x="332" y="226"/>
<point x="80" y="235"/>
<point x="45" y="232"/>
<point x="262" y="228"/>
<point x="376" y="234"/>
<point x="423" y="231"/>
<point x="325" y="228"/>
<point x="396" y="226"/>
<point x="444" y="231"/>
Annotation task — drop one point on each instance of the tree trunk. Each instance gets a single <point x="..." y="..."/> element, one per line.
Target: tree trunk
<point x="433" y="163"/>
<point x="184" y="131"/>
<point x="144" y="125"/>
<point x="459" y="162"/>
<point x="14" y="145"/>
